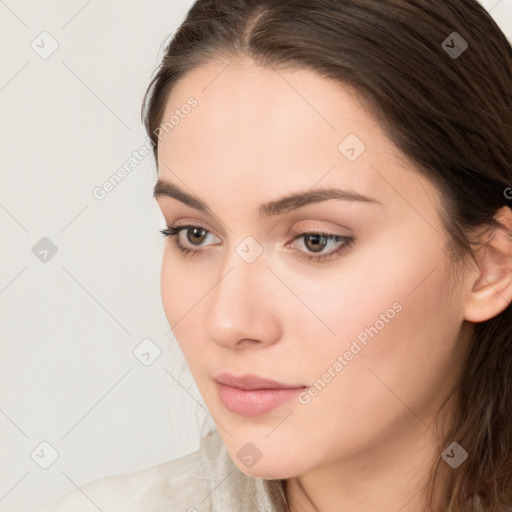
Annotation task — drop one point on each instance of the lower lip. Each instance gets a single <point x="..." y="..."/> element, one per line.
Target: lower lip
<point x="254" y="402"/>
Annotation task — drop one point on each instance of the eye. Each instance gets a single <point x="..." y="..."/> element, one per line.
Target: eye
<point x="195" y="235"/>
<point x="315" y="242"/>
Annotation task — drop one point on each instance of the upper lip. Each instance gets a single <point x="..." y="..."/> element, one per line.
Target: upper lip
<point x="250" y="381"/>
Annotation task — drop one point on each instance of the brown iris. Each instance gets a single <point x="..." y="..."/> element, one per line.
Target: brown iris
<point x="199" y="234"/>
<point x="318" y="242"/>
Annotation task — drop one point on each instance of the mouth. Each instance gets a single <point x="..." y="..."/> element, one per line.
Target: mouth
<point x="251" y="395"/>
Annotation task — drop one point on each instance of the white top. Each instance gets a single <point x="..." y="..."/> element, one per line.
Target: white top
<point x="206" y="480"/>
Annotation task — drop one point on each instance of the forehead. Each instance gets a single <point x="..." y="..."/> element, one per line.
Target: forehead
<point x="268" y="130"/>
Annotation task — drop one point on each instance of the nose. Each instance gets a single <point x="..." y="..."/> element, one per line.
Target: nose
<point x="242" y="309"/>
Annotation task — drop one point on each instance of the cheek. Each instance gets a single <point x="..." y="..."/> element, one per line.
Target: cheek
<point x="171" y="288"/>
<point x="396" y="333"/>
<point x="393" y="287"/>
<point x="181" y="288"/>
<point x="392" y="383"/>
<point x="182" y="283"/>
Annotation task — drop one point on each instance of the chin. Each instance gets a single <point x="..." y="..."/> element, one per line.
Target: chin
<point x="271" y="468"/>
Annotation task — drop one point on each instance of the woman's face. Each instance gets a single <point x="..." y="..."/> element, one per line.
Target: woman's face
<point x="371" y="332"/>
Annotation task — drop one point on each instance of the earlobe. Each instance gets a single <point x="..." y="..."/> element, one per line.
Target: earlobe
<point x="491" y="291"/>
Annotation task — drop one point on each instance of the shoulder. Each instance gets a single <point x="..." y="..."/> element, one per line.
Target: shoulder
<point x="178" y="482"/>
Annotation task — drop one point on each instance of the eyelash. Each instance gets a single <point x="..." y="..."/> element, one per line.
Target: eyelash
<point x="173" y="231"/>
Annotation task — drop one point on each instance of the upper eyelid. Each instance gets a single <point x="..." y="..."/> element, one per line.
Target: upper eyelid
<point x="169" y="212"/>
<point x="224" y="227"/>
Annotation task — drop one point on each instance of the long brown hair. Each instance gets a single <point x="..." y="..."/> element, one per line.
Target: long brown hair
<point x="445" y="100"/>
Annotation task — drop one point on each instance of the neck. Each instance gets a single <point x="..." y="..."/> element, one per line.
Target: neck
<point x="390" y="476"/>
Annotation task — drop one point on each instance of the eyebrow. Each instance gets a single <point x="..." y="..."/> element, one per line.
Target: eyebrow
<point x="277" y="207"/>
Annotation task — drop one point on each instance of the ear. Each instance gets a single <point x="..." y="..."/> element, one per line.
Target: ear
<point x="491" y="289"/>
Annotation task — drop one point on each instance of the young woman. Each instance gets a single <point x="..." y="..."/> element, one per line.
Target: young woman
<point x="336" y="180"/>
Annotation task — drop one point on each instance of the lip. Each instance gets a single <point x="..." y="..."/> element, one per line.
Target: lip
<point x="250" y="381"/>
<point x="251" y="395"/>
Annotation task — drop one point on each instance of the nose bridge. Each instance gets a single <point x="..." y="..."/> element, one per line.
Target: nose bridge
<point x="239" y="285"/>
<point x="244" y="271"/>
<point x="238" y="301"/>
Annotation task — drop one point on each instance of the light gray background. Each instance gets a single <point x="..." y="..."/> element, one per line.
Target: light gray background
<point x="69" y="325"/>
